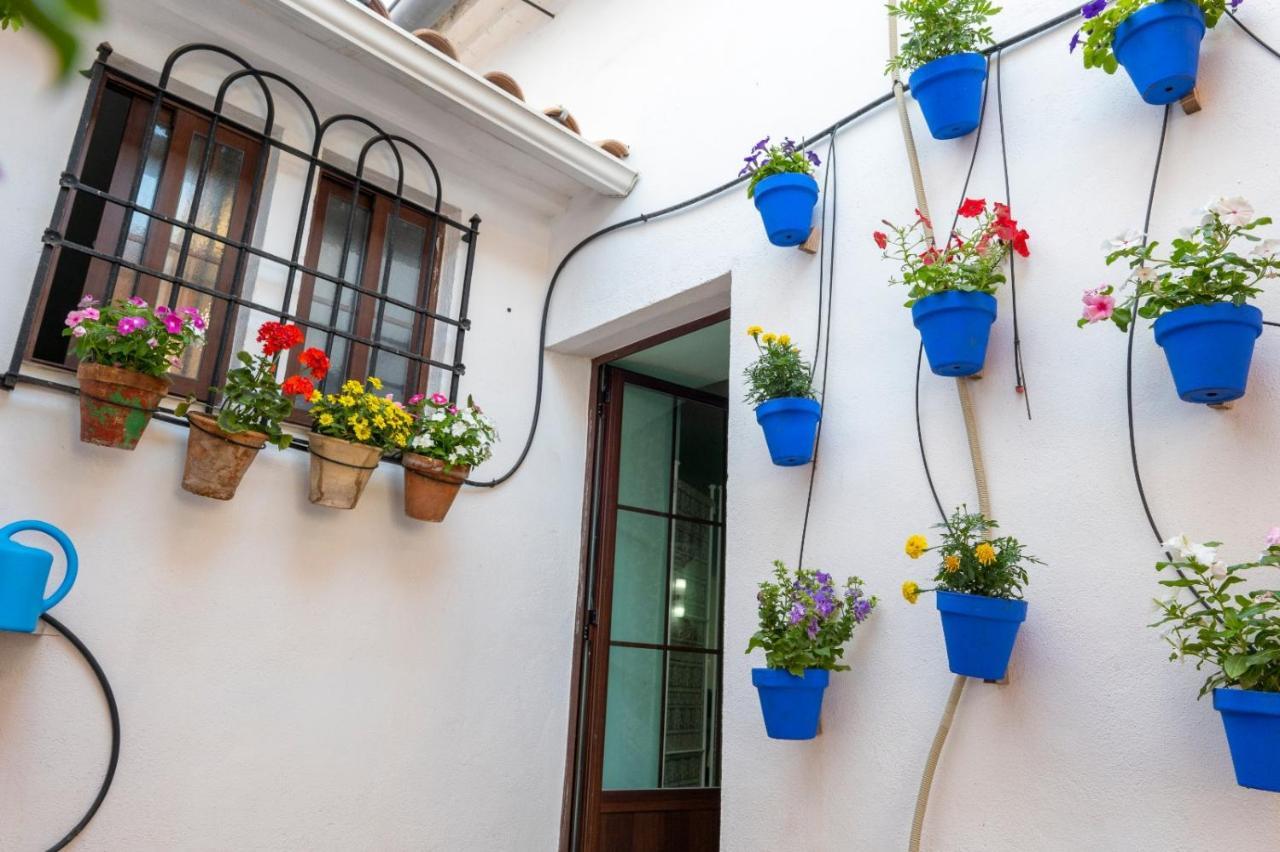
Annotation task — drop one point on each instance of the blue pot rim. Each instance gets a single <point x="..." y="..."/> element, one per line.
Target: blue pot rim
<point x="786" y="180"/>
<point x="782" y="404"/>
<point x="982" y="606"/>
<point x="1219" y="313"/>
<point x="783" y="679"/>
<point x="944" y="66"/>
<point x="1249" y="701"/>
<point x="1148" y="15"/>
<point x="951" y="300"/>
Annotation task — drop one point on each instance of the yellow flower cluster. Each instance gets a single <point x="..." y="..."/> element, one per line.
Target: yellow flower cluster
<point x="911" y="591"/>
<point x="985" y="552"/>
<point x="916" y="545"/>
<point x="950" y="563"/>
<point x="768" y="338"/>
<point x="355" y="413"/>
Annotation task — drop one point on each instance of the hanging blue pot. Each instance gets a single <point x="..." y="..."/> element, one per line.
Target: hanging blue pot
<point x="955" y="327"/>
<point x="1160" y="48"/>
<point x="791" y="705"/>
<point x="1209" y="348"/>
<point x="980" y="632"/>
<point x="786" y="205"/>
<point x="24" y="571"/>
<point x="1252" y="721"/>
<point x="949" y="91"/>
<point x="790" y="427"/>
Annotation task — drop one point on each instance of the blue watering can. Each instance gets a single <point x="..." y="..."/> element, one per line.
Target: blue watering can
<point x="24" y="571"/>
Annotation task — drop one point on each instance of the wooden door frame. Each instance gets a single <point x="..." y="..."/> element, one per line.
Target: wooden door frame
<point x="598" y="459"/>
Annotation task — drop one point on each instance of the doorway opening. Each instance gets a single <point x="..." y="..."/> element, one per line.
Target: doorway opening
<point x="646" y="755"/>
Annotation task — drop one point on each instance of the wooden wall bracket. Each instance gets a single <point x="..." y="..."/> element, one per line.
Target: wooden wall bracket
<point x="1191" y="102"/>
<point x="813" y="244"/>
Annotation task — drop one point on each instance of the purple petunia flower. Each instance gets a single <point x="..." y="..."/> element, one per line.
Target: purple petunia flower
<point x="861" y="609"/>
<point x="812" y="158"/>
<point x="1075" y="42"/>
<point x="797" y="613"/>
<point x="173" y="323"/>
<point x="812" y="628"/>
<point x="1093" y="8"/>
<point x="824" y="578"/>
<point x="762" y="144"/>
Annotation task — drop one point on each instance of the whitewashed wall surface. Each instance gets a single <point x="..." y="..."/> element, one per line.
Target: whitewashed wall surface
<point x="292" y="678"/>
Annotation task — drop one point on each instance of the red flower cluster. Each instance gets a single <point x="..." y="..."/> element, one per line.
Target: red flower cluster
<point x="1006" y="228"/>
<point x="316" y="362"/>
<point x="881" y="238"/>
<point x="972" y="208"/>
<point x="298" y="386"/>
<point x="276" y="337"/>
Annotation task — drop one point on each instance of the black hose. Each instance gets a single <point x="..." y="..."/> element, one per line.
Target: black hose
<point x="112" y="710"/>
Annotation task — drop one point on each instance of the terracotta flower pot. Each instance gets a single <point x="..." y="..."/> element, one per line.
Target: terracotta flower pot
<point x="340" y="470"/>
<point x="429" y="489"/>
<point x="116" y="404"/>
<point x="216" y="459"/>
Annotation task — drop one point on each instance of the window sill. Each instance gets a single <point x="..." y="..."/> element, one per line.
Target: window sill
<point x="351" y="30"/>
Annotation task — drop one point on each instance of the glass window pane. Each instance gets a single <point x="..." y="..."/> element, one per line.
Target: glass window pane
<point x="639" y="578"/>
<point x="697" y="562"/>
<point x="633" y="719"/>
<point x="403" y="279"/>
<point x="140" y="223"/>
<point x="700" y="460"/>
<point x="644" y="468"/>
<point x="336" y="214"/>
<point x="689" y="754"/>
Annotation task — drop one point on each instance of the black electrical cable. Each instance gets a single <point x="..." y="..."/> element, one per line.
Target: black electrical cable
<point x="112" y="710"/>
<point x="829" y="239"/>
<point x="1251" y="34"/>
<point x="1020" y="374"/>
<point x="831" y="130"/>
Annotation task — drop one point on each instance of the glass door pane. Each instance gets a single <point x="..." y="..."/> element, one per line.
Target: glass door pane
<point x="336" y="215"/>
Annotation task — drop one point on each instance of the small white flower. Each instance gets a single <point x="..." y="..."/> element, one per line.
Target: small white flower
<point x="1145" y="274"/>
<point x="458" y="429"/>
<point x="1266" y="248"/>
<point x="1179" y="543"/>
<point x="1234" y="211"/>
<point x="1204" y="555"/>
<point x="1219" y="569"/>
<point x="1128" y="239"/>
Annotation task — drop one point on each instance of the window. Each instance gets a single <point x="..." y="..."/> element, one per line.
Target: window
<point x="167" y="200"/>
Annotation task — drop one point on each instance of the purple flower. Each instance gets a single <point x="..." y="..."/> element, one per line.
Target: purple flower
<point x="86" y="300"/>
<point x="861" y="609"/>
<point x="1235" y="4"/>
<point x="824" y="579"/>
<point x="163" y="311"/>
<point x="128" y="325"/>
<point x="137" y="301"/>
<point x="1075" y="42"/>
<point x="173" y="323"/>
<point x="812" y="158"/>
<point x="762" y="144"/>
<point x="812" y="628"/>
<point x="1093" y="8"/>
<point x="788" y="146"/>
<point x="824" y="604"/>
<point x="797" y="613"/>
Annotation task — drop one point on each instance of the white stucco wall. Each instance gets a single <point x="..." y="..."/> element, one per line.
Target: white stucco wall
<point x="291" y="677"/>
<point x="1098" y="742"/>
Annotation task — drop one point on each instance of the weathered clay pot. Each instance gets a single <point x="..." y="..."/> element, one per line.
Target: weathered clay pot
<point x="340" y="470"/>
<point x="216" y="459"/>
<point x="116" y="404"/>
<point x="428" y="488"/>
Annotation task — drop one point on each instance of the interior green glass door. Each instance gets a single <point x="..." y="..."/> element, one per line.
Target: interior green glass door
<point x="662" y="717"/>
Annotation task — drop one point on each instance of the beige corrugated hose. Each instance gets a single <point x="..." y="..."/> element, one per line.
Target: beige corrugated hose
<point x="975" y="454"/>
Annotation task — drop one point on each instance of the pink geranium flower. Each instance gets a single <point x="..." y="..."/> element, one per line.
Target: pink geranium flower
<point x="439" y="398"/>
<point x="137" y="301"/>
<point x="1273" y="537"/>
<point x="1097" y="306"/>
<point x="128" y="325"/>
<point x="173" y="323"/>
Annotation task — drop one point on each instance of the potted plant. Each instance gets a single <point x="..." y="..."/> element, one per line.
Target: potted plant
<point x="1236" y="632"/>
<point x="126" y="349"/>
<point x="254" y="404"/>
<point x="950" y="289"/>
<point x="1157" y="41"/>
<point x="784" y="190"/>
<point x="780" y="386"/>
<point x="942" y="53"/>
<point x="350" y="432"/>
<point x="979" y="592"/>
<point x="805" y="622"/>
<point x="1198" y="297"/>
<point x="448" y="441"/>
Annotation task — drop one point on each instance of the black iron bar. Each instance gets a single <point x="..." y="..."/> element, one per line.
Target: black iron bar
<point x="463" y="323"/>
<point x="389" y="243"/>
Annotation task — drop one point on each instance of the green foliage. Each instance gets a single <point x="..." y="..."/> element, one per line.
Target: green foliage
<point x="1098" y="33"/>
<point x="779" y="372"/>
<point x="130" y="335"/>
<point x="1237" y="634"/>
<point x="767" y="160"/>
<point x="805" y="620"/>
<point x="940" y="28"/>
<point x="456" y="435"/>
<point x="56" y="21"/>
<point x="252" y="400"/>
<point x="973" y="564"/>
<point x="969" y="263"/>
<point x="1203" y="268"/>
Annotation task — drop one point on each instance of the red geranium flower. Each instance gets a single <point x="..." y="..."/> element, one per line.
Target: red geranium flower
<point x="882" y="239"/>
<point x="298" y="386"/>
<point x="316" y="362"/>
<point x="930" y="257"/>
<point x="1020" y="243"/>
<point x="973" y="207"/>
<point x="276" y="337"/>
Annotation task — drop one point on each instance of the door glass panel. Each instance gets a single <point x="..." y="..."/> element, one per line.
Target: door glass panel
<point x="690" y="757"/>
<point x="639" y="578"/>
<point x="633" y="719"/>
<point x="644" y="466"/>
<point x="403" y="279"/>
<point x="696" y="558"/>
<point x="700" y="460"/>
<point x="337" y="211"/>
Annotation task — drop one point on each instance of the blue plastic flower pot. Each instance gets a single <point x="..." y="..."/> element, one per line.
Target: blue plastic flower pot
<point x="1160" y="48"/>
<point x="790" y="427"/>
<point x="1209" y="348"/>
<point x="980" y="632"/>
<point x="1252" y="720"/>
<point x="786" y="205"/>
<point x="955" y="327"/>
<point x="791" y="705"/>
<point x="949" y="91"/>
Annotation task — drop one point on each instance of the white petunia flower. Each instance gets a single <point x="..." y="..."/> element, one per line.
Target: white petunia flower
<point x="1266" y="248"/>
<point x="1180" y="544"/>
<point x="1219" y="569"/>
<point x="1234" y="211"/>
<point x="1203" y="554"/>
<point x="1128" y="239"/>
